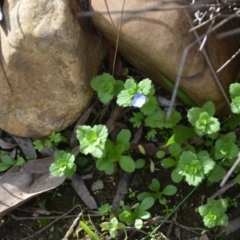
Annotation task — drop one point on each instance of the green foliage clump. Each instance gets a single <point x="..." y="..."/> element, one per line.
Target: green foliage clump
<point x="169" y="190"/>
<point x="194" y="166"/>
<point x="8" y="162"/>
<point x="92" y="140"/>
<point x="106" y="87"/>
<point x="116" y="153"/>
<point x="202" y="119"/>
<point x="213" y="213"/>
<point x="137" y="213"/>
<point x="113" y="226"/>
<point x="63" y="164"/>
<point x="234" y="91"/>
<point x="51" y="141"/>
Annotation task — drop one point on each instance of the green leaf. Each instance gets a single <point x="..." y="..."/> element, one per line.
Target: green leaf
<point x="234" y="90"/>
<point x="81" y="161"/>
<point x="155" y="185"/>
<point x="140" y="213"/>
<point x="38" y="145"/>
<point x="88" y="230"/>
<point x="151" y="134"/>
<point x="63" y="164"/>
<point x="127" y="217"/>
<point x="168" y="162"/>
<point x="20" y="161"/>
<point x="217" y="174"/>
<point x="125" y="97"/>
<point x="175" y="150"/>
<point x="123" y="138"/>
<point x="155" y="120"/>
<point x="176" y="177"/>
<point x="169" y="190"/>
<point x="232" y="122"/>
<point x="138" y="224"/>
<point x="209" y="108"/>
<point x="140" y="163"/>
<point x="143" y="195"/>
<point x="174" y="119"/>
<point x="137" y="119"/>
<point x="92" y="140"/>
<point x="237" y="179"/>
<point x="181" y="136"/>
<point x="160" y="154"/>
<point x="127" y="163"/>
<point x="8" y="160"/>
<point x="110" y="169"/>
<point x="145" y="86"/>
<point x="147" y="203"/>
<point x="150" y="106"/>
<point x="235" y="105"/>
<point x="103" y="163"/>
<point x="104" y="85"/>
<point x="55" y="138"/>
<point x="4" y="166"/>
<point x="118" y="87"/>
<point x="163" y="200"/>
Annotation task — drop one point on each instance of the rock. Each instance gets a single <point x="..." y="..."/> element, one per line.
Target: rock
<point x="154" y="43"/>
<point x="48" y="61"/>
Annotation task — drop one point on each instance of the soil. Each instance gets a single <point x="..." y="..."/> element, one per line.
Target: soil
<point x="24" y="222"/>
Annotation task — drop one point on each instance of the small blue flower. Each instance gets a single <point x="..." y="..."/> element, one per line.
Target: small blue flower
<point x="139" y="100"/>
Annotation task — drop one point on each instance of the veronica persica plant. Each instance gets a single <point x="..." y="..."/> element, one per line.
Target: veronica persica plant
<point x="234" y="91"/>
<point x="194" y="166"/>
<point x="92" y="139"/>
<point x="213" y="213"/>
<point x="202" y="119"/>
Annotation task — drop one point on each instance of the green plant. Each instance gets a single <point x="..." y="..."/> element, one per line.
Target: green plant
<point x="137" y="213"/>
<point x="116" y="153"/>
<point x="202" y="119"/>
<point x="105" y="209"/>
<point x="52" y="140"/>
<point x="131" y="193"/>
<point x="194" y="166"/>
<point x="106" y="87"/>
<point x="92" y="140"/>
<point x="8" y="162"/>
<point x="225" y="146"/>
<point x="140" y="95"/>
<point x="234" y="91"/>
<point x="113" y="226"/>
<point x="63" y="164"/>
<point x="88" y="230"/>
<point x="213" y="213"/>
<point x="169" y="190"/>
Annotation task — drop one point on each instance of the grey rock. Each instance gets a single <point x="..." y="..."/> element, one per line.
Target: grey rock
<point x="154" y="42"/>
<point x="47" y="63"/>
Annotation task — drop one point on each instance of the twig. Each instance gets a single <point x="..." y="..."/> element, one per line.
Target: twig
<point x="70" y="230"/>
<point x="230" y="171"/>
<point x="50" y="224"/>
<point x="118" y="35"/>
<point x="224" y="189"/>
<point x="38" y="218"/>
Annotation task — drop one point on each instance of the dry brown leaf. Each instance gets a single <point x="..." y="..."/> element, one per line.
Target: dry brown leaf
<point x="19" y="184"/>
<point x="82" y="191"/>
<point x="6" y="145"/>
<point x="26" y="146"/>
